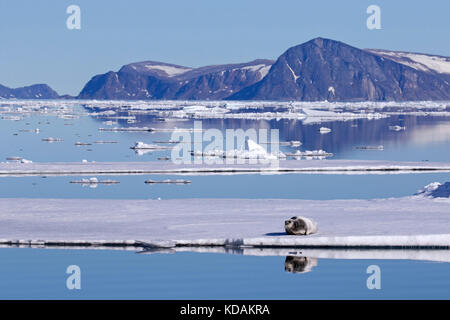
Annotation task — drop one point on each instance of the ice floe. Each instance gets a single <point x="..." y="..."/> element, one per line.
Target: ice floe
<point x="282" y="167"/>
<point x="380" y="223"/>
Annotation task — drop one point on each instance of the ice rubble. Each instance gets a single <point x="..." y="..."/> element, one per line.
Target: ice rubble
<point x="307" y="112"/>
<point x="435" y="190"/>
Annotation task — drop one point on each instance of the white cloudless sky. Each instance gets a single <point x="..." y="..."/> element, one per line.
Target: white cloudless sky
<point x="37" y="47"/>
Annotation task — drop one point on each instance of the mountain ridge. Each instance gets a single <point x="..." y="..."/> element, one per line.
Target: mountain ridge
<point x="35" y="91"/>
<point x="324" y="69"/>
<point x="317" y="70"/>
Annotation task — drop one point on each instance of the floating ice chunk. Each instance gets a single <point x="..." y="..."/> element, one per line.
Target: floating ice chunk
<point x="93" y="181"/>
<point x="168" y="181"/>
<point x="370" y="148"/>
<point x="397" y="128"/>
<point x="140" y="145"/>
<point x="51" y="140"/>
<point x="324" y="130"/>
<point x="310" y="154"/>
<point x="295" y="143"/>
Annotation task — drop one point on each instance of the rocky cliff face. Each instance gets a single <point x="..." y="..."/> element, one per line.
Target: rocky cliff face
<point x="323" y="69"/>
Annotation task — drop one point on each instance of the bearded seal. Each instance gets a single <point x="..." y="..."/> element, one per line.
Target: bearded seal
<point x="300" y="226"/>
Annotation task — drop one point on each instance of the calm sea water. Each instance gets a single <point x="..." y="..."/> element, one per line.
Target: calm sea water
<point x="41" y="274"/>
<point x="425" y="139"/>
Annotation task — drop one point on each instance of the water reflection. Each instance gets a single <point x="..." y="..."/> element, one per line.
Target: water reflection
<point x="294" y="264"/>
<point x="417" y="133"/>
<point x="424" y="138"/>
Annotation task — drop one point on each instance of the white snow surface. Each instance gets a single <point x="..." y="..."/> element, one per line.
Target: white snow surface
<point x="398" y="222"/>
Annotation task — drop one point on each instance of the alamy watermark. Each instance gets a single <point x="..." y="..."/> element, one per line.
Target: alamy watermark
<point x="374" y="280"/>
<point x="374" y="20"/>
<point x="73" y="21"/>
<point x="73" y="282"/>
<point x="238" y="146"/>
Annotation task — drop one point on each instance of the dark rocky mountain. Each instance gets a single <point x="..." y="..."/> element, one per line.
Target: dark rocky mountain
<point x="36" y="91"/>
<point x="156" y="80"/>
<point x="324" y="69"/>
<point x="320" y="69"/>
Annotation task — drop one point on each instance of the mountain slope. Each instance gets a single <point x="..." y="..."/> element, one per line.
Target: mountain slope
<point x="323" y="69"/>
<point x="424" y="62"/>
<point x="36" y="91"/>
<point x="156" y="80"/>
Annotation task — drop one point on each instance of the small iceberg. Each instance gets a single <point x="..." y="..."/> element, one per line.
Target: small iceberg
<point x="51" y="140"/>
<point x="380" y="148"/>
<point x="168" y="181"/>
<point x="397" y="128"/>
<point x="93" y="181"/>
<point x="14" y="158"/>
<point x="310" y="154"/>
<point x="143" y="146"/>
<point x="293" y="143"/>
<point x="324" y="130"/>
<point x="106" y="142"/>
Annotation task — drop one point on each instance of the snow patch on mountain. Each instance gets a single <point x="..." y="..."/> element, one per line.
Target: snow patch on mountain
<point x="293" y="73"/>
<point x="422" y="62"/>
<point x="263" y="69"/>
<point x="169" y="70"/>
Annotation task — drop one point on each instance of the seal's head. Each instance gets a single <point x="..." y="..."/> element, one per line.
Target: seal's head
<point x="295" y="225"/>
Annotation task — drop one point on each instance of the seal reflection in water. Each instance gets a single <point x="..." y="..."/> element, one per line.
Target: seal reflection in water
<point x="299" y="264"/>
<point x="300" y="226"/>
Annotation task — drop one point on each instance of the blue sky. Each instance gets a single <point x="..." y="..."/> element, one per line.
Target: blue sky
<point x="36" y="46"/>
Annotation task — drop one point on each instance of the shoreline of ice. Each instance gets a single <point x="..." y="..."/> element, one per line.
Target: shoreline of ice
<point x="280" y="167"/>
